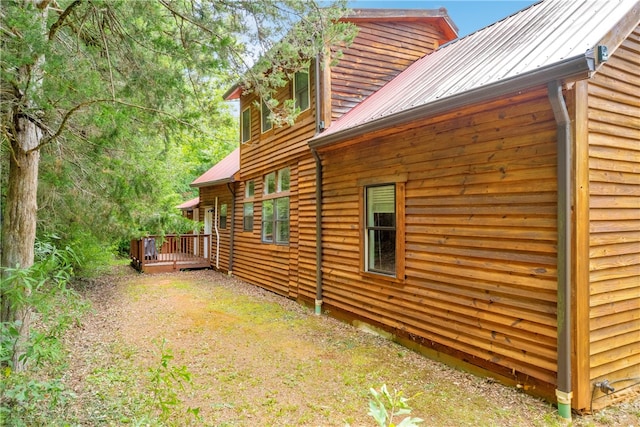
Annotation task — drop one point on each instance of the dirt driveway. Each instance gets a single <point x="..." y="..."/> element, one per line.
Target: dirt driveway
<point x="257" y="359"/>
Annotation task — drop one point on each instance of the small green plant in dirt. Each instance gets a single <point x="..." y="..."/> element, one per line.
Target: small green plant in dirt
<point x="167" y="381"/>
<point x="385" y="406"/>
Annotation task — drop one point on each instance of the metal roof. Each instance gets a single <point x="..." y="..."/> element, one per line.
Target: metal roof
<point x="189" y="204"/>
<point x="222" y="172"/>
<point x="552" y="39"/>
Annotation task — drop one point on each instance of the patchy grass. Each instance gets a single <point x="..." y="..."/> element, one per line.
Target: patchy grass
<point x="257" y="359"/>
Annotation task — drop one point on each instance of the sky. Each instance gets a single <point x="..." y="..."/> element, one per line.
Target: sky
<point x="469" y="16"/>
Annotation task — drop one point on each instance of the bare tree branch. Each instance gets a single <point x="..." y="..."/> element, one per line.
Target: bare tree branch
<point x="61" y="19"/>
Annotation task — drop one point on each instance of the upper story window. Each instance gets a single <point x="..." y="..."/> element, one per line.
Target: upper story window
<point x="301" y="90"/>
<point x="284" y="180"/>
<point x="265" y="120"/>
<point x="249" y="190"/>
<point x="270" y="183"/>
<point x="247" y="208"/>
<point x="275" y="207"/>
<point x="247" y="216"/>
<point x="245" y="124"/>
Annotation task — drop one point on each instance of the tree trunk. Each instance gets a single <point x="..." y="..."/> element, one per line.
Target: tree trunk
<point x="19" y="224"/>
<point x="20" y="209"/>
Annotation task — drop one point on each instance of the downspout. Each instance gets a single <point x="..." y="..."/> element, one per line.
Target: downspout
<point x="215" y="226"/>
<point x="231" y="232"/>
<point x="318" y="231"/>
<point x="563" y="390"/>
<point x="319" y="128"/>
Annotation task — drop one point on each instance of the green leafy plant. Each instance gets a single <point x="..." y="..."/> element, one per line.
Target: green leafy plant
<point x="385" y="406"/>
<point x="166" y="381"/>
<point x="28" y="398"/>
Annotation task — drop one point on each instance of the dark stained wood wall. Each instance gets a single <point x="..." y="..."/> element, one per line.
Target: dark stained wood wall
<point x="379" y="52"/>
<point x="614" y="210"/>
<point x="480" y="236"/>
<point x="207" y="201"/>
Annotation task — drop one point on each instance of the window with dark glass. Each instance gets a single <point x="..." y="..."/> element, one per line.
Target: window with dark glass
<point x="223" y="216"/>
<point x="245" y="125"/>
<point x="380" y="233"/>
<point x="275" y="207"/>
<point x="247" y="208"/>
<point x="265" y="114"/>
<point x="301" y="90"/>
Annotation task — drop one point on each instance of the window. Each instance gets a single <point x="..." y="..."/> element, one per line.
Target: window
<point x="284" y="177"/>
<point x="275" y="207"/>
<point x="223" y="216"/>
<point x="270" y="183"/>
<point x="245" y="125"/>
<point x="301" y="90"/>
<point x="380" y="229"/>
<point x="265" y="114"/>
<point x="247" y="209"/>
<point x="249" y="190"/>
<point x="247" y="218"/>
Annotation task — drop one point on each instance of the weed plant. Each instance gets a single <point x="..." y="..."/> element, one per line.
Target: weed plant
<point x="31" y="397"/>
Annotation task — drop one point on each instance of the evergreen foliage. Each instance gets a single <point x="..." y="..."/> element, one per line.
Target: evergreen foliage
<point x="129" y="99"/>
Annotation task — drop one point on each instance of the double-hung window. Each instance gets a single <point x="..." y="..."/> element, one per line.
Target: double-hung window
<point x="247" y="208"/>
<point x="275" y="207"/>
<point x="383" y="226"/>
<point x="380" y="240"/>
<point x="301" y="94"/>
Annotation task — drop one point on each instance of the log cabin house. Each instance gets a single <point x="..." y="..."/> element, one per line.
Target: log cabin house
<point x="274" y="239"/>
<point x="477" y="199"/>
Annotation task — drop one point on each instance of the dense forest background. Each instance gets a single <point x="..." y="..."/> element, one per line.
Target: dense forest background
<point x="122" y="103"/>
<point x="108" y="110"/>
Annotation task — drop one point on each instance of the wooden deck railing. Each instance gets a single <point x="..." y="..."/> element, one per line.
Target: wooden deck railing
<point x="171" y="252"/>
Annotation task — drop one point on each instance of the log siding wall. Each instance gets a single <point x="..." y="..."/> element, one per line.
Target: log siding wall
<point x="381" y="51"/>
<point x="480" y="236"/>
<point x="614" y="211"/>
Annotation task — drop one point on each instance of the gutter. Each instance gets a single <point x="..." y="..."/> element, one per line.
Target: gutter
<point x="318" y="301"/>
<point x="573" y="68"/>
<point x="563" y="391"/>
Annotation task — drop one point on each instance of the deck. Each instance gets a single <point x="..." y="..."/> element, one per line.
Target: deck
<point x="169" y="253"/>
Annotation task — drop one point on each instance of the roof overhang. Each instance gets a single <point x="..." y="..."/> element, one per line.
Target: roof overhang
<point x="439" y="17"/>
<point x="189" y="204"/>
<point x="233" y="93"/>
<point x="212" y="183"/>
<point x="572" y="69"/>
